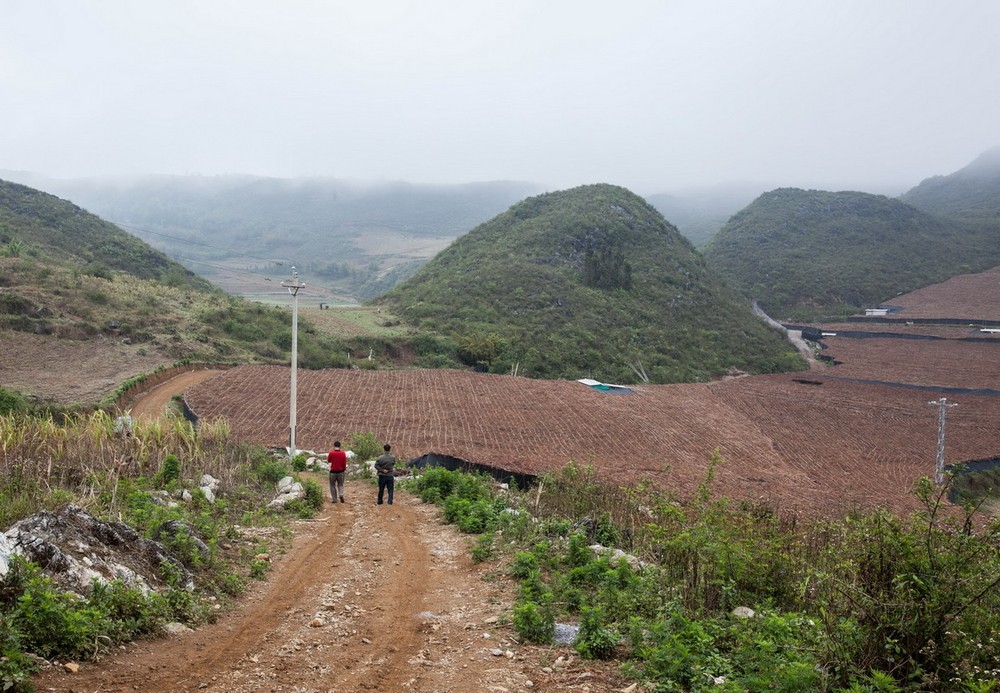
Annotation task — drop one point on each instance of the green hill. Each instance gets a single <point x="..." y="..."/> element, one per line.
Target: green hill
<point x="971" y="193"/>
<point x="587" y="282"/>
<point x="806" y="254"/>
<point x="61" y="232"/>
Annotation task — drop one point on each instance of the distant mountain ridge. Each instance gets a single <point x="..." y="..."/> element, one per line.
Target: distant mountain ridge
<point x="587" y="282"/>
<point x="814" y="254"/>
<point x="972" y="192"/>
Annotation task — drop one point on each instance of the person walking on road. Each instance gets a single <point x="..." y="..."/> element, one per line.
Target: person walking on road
<point x="385" y="468"/>
<point x="338" y="470"/>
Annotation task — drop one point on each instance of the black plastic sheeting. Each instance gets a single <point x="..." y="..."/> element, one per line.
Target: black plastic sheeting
<point x="983" y="391"/>
<point x="974" y="465"/>
<point x="457" y="464"/>
<point x="858" y="334"/>
<point x="926" y="321"/>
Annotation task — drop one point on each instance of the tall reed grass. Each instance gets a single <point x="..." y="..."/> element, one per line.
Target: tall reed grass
<point x="45" y="460"/>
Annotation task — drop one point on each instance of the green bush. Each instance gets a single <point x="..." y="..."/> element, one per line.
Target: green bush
<point x="523" y="565"/>
<point x="435" y="484"/>
<point x="271" y="471"/>
<point x="53" y="623"/>
<point x="16" y="667"/>
<point x="365" y="446"/>
<point x="170" y="469"/>
<point x="594" y="641"/>
<point x="484" y="549"/>
<point x="534" y="622"/>
<point x="299" y="462"/>
<point x="11" y="401"/>
<point x="314" y="494"/>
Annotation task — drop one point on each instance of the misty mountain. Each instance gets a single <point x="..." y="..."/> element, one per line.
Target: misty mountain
<point x="804" y="254"/>
<point x="970" y="193"/>
<point x="587" y="282"/>
<point x="700" y="213"/>
<point x="358" y="239"/>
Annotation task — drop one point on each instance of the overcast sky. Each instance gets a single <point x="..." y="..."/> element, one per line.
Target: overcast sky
<point x="653" y="95"/>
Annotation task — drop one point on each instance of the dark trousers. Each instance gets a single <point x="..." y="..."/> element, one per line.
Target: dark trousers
<point x="385" y="482"/>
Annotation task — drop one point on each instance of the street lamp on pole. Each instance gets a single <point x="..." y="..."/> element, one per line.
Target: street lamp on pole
<point x="293" y="288"/>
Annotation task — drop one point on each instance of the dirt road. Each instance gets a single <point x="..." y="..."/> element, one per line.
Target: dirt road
<point x="368" y="598"/>
<point x="154" y="402"/>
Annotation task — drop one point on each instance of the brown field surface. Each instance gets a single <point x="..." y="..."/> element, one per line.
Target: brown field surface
<point x="923" y="330"/>
<point x="965" y="297"/>
<point x="69" y="371"/>
<point x="939" y="363"/>
<point x="800" y="446"/>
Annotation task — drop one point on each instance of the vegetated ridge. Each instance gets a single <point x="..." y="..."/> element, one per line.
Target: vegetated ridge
<point x="62" y="232"/>
<point x="970" y="193"/>
<point x="813" y="254"/>
<point x="593" y="282"/>
<point x="806" y="254"/>
<point x="75" y="285"/>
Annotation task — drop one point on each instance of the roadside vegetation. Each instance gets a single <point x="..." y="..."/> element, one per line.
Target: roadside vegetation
<point x="714" y="595"/>
<point x="148" y="479"/>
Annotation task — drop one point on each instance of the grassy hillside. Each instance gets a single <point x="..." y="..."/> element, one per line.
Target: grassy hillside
<point x="809" y="253"/>
<point x="65" y="274"/>
<point x="587" y="282"/>
<point x="58" y="231"/>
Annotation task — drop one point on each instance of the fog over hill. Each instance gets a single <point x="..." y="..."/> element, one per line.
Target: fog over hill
<point x="972" y="192"/>
<point x="355" y="239"/>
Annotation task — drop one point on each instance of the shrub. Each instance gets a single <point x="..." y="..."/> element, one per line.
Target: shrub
<point x="299" y="462"/>
<point x="483" y="550"/>
<point x="11" y="401"/>
<point x="535" y="622"/>
<point x="523" y="565"/>
<point x="594" y="640"/>
<point x="271" y="472"/>
<point x="170" y="469"/>
<point x="314" y="494"/>
<point x="435" y="484"/>
<point x="365" y="446"/>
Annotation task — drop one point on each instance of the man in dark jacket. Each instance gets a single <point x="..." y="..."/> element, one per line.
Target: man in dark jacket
<point x="384" y="467"/>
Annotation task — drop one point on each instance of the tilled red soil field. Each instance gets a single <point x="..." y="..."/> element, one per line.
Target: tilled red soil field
<point x="965" y="297"/>
<point x="940" y="362"/>
<point x="816" y="447"/>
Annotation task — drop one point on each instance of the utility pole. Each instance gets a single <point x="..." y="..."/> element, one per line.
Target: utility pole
<point x="939" y="464"/>
<point x="293" y="288"/>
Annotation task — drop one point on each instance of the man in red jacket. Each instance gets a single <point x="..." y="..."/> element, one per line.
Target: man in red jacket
<point x="338" y="470"/>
